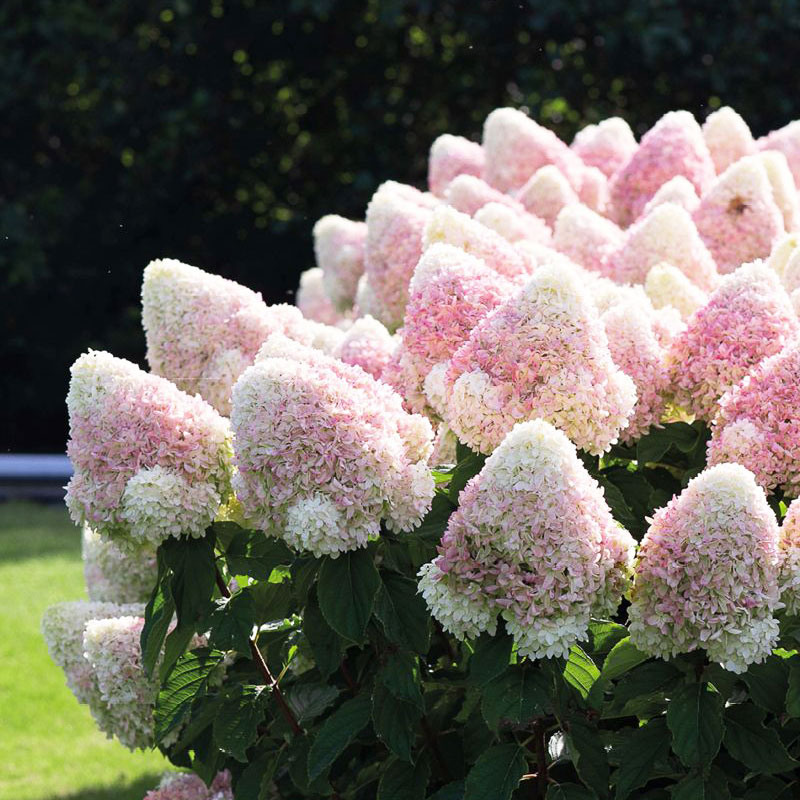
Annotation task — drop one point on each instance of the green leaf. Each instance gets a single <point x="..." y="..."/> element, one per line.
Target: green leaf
<point x="346" y="592"/>
<point x="175" y="646"/>
<point x="793" y="689"/>
<point x="580" y="671"/>
<point x="255" y="781"/>
<point x="309" y="700"/>
<point x="256" y="554"/>
<point x="588" y="755"/>
<point x="157" y="616"/>
<point x="769" y="788"/>
<point x="568" y="791"/>
<point x="236" y="723"/>
<point x="636" y="491"/>
<point x="402" y="781"/>
<point x="496" y="773"/>
<point x="272" y="601"/>
<point x="403" y="612"/>
<point x="698" y="787"/>
<point x="466" y="469"/>
<point x="435" y="521"/>
<point x="187" y="681"/>
<point x="768" y="683"/>
<point x="231" y="623"/>
<point x="193" y="575"/>
<point x="694" y="717"/>
<point x="451" y="791"/>
<point x="515" y="698"/>
<point x="400" y="675"/>
<point x="395" y="721"/>
<point x="623" y="657"/>
<point x="618" y="505"/>
<point x="645" y="680"/>
<point x="326" y="645"/>
<point x="642" y="748"/>
<point x="338" y="730"/>
<point x="604" y="635"/>
<point x="654" y="445"/>
<point x="490" y="658"/>
<point x="747" y="740"/>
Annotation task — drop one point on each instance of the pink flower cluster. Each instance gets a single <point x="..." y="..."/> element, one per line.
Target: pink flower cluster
<point x="339" y="250"/>
<point x="533" y="542"/>
<point x="185" y="786"/>
<point x="116" y="575"/>
<point x="706" y="575"/>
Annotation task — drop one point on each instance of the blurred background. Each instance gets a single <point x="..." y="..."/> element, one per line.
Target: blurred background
<point x="218" y="131"/>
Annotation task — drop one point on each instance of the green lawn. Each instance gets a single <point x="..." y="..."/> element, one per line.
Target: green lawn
<point x="49" y="746"/>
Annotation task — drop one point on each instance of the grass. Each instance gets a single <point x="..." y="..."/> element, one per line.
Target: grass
<point x="49" y="745"/>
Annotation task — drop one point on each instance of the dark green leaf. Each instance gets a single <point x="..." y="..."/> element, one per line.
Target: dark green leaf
<point x="580" y="671"/>
<point x="615" y="500"/>
<point x="402" y="781"/>
<point x="395" y="721"/>
<point x="403" y="613"/>
<point x="187" y="681"/>
<point x="236" y="723"/>
<point x="496" y="773"/>
<point x="645" y="680"/>
<point x="515" y="698"/>
<point x="699" y="787"/>
<point x="158" y="615"/>
<point x="490" y="657"/>
<point x="256" y="554"/>
<point x="336" y="733"/>
<point x="304" y="572"/>
<point x="309" y="700"/>
<point x="622" y="657"/>
<point x="175" y="646"/>
<point x="769" y="788"/>
<point x="768" y="683"/>
<point x="604" y="635"/>
<point x="694" y="718"/>
<point x="231" y="623"/>
<point x="272" y="600"/>
<point x="793" y="689"/>
<point x="451" y="791"/>
<point x="747" y="740"/>
<point x="654" y="445"/>
<point x="193" y="575"/>
<point x="255" y="781"/>
<point x="568" y="791"/>
<point x="637" y="492"/>
<point x="326" y="645"/>
<point x="466" y="469"/>
<point x="346" y="592"/>
<point x="299" y="748"/>
<point x="642" y="748"/>
<point x="588" y="755"/>
<point x="400" y="675"/>
<point x="435" y="521"/>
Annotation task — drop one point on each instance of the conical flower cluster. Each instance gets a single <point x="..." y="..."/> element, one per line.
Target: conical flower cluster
<point x="542" y="353"/>
<point x="116" y="575"/>
<point x="758" y="422"/>
<point x="785" y="140"/>
<point x="667" y="286"/>
<point x="728" y="138"/>
<point x="707" y="573"/>
<point x="150" y="461"/>
<point x="789" y="546"/>
<point x="313" y="301"/>
<point x="513" y="225"/>
<point x="185" y="786"/>
<point x="546" y="193"/>
<point x="747" y="318"/>
<point x="468" y="194"/>
<point x="451" y="156"/>
<point x="586" y="237"/>
<point x="673" y="146"/>
<point x="367" y="344"/>
<point x="339" y="250"/>
<point x="677" y="190"/>
<point x="533" y="542"/>
<point x="606" y="146"/>
<point x="324" y="451"/>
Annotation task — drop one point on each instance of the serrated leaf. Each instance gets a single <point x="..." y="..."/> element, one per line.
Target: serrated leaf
<point x="604" y="635"/>
<point x="588" y="755"/>
<point x="642" y="748"/>
<point x="256" y="779"/>
<point x="309" y="700"/>
<point x="236" y="723"/>
<point x="623" y="657"/>
<point x="400" y="675"/>
<point x="580" y="671"/>
<point x="793" y="690"/>
<point x="346" y="592"/>
<point x="158" y="615"/>
<point x="191" y="561"/>
<point x="175" y="646"/>
<point x="395" y="722"/>
<point x="403" y="612"/>
<point x="694" y="717"/>
<point x="700" y="787"/>
<point x="231" y="623"/>
<point x="298" y="769"/>
<point x="768" y="683"/>
<point x="326" y="645"/>
<point x="515" y="698"/>
<point x="256" y="554"/>
<point x="747" y="740"/>
<point x="403" y="781"/>
<point x="490" y="657"/>
<point x="568" y="791"/>
<point x="187" y="681"/>
<point x="496" y="773"/>
<point x="652" y="447"/>
<point x="337" y="732"/>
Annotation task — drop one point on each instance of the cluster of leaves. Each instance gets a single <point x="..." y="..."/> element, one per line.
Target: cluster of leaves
<point x="324" y="677"/>
<point x="218" y="132"/>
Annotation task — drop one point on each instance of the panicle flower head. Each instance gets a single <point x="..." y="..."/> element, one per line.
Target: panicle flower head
<point x="787" y="141"/>
<point x="594" y="190"/>
<point x="62" y="627"/>
<point x="784" y="191"/>
<point x="513" y="225"/>
<point x="542" y="353"/>
<point x="673" y="146"/>
<point x="667" y="233"/>
<point x="150" y="461"/>
<point x="467" y="194"/>
<point x="607" y="145"/>
<point x="546" y="193"/>
<point x="636" y="350"/>
<point x="451" y="156"/>
<point x="789" y="546"/>
<point x="324" y="451"/>
<point x="313" y="301"/>
<point x="203" y="330"/>
<point x="396" y="218"/>
<point x="187" y="786"/>
<point x="706" y="575"/>
<point x="532" y="541"/>
<point x="677" y="190"/>
<point x="585" y="236"/>
<point x="728" y="138"/>
<point x="758" y="422"/>
<point x="667" y="286"/>
<point x="746" y="319"/>
<point x="367" y="344"/>
<point x="782" y="251"/>
<point x="116" y="575"/>
<point x="339" y="250"/>
<point x="791" y="272"/>
<point x="448" y="226"/>
<point x="516" y="146"/>
<point x="737" y="218"/>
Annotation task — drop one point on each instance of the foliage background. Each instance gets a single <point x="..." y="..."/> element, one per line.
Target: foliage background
<point x="218" y="131"/>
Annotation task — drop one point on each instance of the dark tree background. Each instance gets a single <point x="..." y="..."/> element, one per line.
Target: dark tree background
<point x="217" y="132"/>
